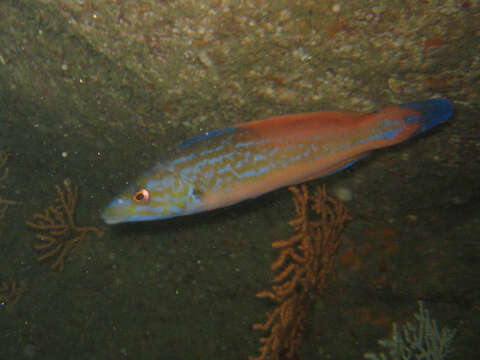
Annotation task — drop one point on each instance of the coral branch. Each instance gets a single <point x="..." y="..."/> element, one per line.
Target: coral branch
<point x="58" y="234"/>
<point x="303" y="267"/>
<point x="10" y="293"/>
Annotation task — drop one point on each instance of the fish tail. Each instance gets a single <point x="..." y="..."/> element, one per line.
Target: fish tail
<point x="433" y="112"/>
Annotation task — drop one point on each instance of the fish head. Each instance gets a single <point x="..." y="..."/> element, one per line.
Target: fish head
<point x="159" y="195"/>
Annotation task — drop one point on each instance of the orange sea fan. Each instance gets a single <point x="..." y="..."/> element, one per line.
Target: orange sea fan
<point x="303" y="267"/>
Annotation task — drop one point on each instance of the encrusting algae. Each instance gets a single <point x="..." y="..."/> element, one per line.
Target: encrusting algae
<point x="304" y="265"/>
<point x="58" y="234"/>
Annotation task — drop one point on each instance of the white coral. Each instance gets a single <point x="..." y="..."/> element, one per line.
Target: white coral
<point x="423" y="341"/>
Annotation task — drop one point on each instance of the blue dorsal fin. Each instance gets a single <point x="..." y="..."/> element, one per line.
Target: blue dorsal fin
<point x="208" y="135"/>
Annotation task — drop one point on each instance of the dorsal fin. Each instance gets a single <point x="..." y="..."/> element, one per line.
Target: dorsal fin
<point x="203" y="137"/>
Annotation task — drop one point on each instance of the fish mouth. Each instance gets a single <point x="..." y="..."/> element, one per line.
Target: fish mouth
<point x="113" y="215"/>
<point x="115" y="212"/>
<point x="110" y="218"/>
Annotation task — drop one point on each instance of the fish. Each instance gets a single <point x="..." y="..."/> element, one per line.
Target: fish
<point x="226" y="166"/>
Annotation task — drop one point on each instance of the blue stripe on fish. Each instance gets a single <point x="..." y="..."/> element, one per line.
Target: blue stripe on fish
<point x="203" y="137"/>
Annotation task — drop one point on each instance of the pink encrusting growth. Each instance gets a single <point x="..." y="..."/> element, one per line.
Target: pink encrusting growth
<point x="244" y="161"/>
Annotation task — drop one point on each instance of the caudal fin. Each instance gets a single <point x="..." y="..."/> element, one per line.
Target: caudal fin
<point x="434" y="112"/>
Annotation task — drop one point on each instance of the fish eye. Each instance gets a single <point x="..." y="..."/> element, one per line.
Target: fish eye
<point x="141" y="196"/>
